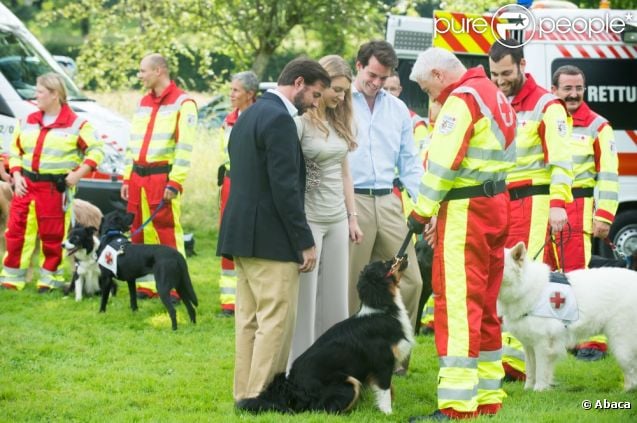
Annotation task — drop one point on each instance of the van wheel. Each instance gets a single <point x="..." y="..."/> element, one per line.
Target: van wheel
<point x="623" y="233"/>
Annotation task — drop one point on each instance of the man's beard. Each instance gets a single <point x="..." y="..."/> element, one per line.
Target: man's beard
<point x="516" y="86"/>
<point x="298" y="102"/>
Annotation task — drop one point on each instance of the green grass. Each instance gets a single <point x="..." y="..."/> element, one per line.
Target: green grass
<point x="63" y="361"/>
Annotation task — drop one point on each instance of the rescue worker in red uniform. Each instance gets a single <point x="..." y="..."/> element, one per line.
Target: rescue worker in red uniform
<point x="52" y="150"/>
<point x="243" y="93"/>
<point x="157" y="161"/>
<point x="595" y="165"/>
<point x="539" y="187"/>
<point x="472" y="150"/>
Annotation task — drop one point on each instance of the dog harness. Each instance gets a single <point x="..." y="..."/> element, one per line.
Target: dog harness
<point x="557" y="300"/>
<point x="112" y="249"/>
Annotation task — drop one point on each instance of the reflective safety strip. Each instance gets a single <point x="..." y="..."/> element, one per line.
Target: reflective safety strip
<point x="14" y="277"/>
<point x="558" y="178"/>
<point x="490" y="375"/>
<point x="607" y="195"/>
<point x="495" y="129"/>
<point x="458" y="383"/>
<point x="607" y="176"/>
<point x="480" y="176"/>
<point x="532" y="150"/>
<point x="182" y="162"/>
<point x="51" y="279"/>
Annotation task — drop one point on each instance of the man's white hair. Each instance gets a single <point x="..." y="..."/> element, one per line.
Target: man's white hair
<point x="433" y="58"/>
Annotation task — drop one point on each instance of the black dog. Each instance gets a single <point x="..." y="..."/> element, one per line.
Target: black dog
<point x="362" y="349"/>
<point x="134" y="260"/>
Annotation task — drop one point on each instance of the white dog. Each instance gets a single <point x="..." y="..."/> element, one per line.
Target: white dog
<point x="606" y="302"/>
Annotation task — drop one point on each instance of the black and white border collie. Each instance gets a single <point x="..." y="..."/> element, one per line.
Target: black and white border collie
<point x="361" y="350"/>
<point x="82" y="244"/>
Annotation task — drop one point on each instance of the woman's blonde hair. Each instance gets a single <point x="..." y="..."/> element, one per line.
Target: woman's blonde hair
<point x="55" y="83"/>
<point x="341" y="117"/>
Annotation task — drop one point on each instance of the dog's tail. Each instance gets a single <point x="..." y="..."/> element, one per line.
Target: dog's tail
<point x="274" y="398"/>
<point x="190" y="290"/>
<point x="356" y="384"/>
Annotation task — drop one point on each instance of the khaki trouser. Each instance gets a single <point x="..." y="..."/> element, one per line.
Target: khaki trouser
<point x="267" y="293"/>
<point x="384" y="229"/>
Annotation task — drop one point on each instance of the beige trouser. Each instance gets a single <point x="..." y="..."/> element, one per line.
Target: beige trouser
<point x="384" y="229"/>
<point x="265" y="312"/>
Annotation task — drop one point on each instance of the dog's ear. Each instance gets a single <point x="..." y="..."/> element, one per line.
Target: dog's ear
<point x="91" y="230"/>
<point x="518" y="253"/>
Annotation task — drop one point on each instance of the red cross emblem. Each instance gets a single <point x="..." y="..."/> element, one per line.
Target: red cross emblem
<point x="557" y="300"/>
<point x="109" y="258"/>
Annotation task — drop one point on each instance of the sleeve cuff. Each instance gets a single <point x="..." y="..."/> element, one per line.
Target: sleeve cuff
<point x="91" y="163"/>
<point x="604" y="216"/>
<point x="420" y="219"/>
<point x="174" y="185"/>
<point x="561" y="204"/>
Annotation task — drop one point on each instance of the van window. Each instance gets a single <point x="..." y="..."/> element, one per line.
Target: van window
<point x="21" y="64"/>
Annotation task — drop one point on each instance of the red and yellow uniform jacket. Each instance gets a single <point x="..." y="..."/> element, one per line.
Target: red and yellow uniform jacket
<point x="595" y="160"/>
<point x="57" y="148"/>
<point x="543" y="154"/>
<point x="228" y="123"/>
<point x="162" y="133"/>
<point x="472" y="141"/>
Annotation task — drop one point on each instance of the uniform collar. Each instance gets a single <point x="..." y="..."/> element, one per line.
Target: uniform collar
<point x="167" y="91"/>
<point x="64" y="119"/>
<point x="582" y="115"/>
<point x="528" y="87"/>
<point x="477" y="72"/>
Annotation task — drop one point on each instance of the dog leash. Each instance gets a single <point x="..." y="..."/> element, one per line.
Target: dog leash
<point x="619" y="255"/>
<point x="150" y="218"/>
<point x="68" y="202"/>
<point x="559" y="258"/>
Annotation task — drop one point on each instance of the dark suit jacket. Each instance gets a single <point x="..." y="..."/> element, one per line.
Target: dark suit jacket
<point x="264" y="216"/>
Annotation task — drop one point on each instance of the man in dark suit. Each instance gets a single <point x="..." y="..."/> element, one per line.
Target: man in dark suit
<point x="264" y="227"/>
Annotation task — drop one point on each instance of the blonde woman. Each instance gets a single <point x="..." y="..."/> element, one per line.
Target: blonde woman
<point x="326" y="137"/>
<point x="52" y="150"/>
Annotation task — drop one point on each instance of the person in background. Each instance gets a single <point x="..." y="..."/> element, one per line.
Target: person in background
<point x="595" y="166"/>
<point x="386" y="150"/>
<point x="326" y="137"/>
<point x="463" y="209"/>
<point x="392" y="86"/>
<point x="540" y="185"/>
<point x="243" y="93"/>
<point x="264" y="228"/>
<point x="52" y="150"/>
<point x="157" y="161"/>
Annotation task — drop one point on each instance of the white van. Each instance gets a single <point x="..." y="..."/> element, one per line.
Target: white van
<point x="22" y="60"/>
<point x="607" y="55"/>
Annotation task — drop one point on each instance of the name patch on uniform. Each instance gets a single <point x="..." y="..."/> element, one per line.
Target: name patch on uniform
<point x="562" y="127"/>
<point x="447" y="124"/>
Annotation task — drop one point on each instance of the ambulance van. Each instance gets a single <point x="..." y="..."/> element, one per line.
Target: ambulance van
<point x="22" y="60"/>
<point x="602" y="42"/>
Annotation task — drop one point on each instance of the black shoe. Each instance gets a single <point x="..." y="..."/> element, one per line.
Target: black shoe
<point x="436" y="415"/>
<point x="226" y="313"/>
<point x="44" y="290"/>
<point x="590" y="354"/>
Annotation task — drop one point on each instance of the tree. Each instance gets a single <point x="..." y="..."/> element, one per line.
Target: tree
<point x="247" y="31"/>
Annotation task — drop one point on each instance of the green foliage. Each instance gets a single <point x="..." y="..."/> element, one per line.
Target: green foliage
<point x="200" y="33"/>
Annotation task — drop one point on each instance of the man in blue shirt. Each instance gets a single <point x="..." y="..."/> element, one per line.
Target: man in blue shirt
<point x="385" y="150"/>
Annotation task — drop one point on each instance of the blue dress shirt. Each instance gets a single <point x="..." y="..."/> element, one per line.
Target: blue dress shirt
<point x="385" y="145"/>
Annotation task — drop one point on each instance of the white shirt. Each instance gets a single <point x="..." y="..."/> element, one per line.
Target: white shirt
<point x="293" y="111"/>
